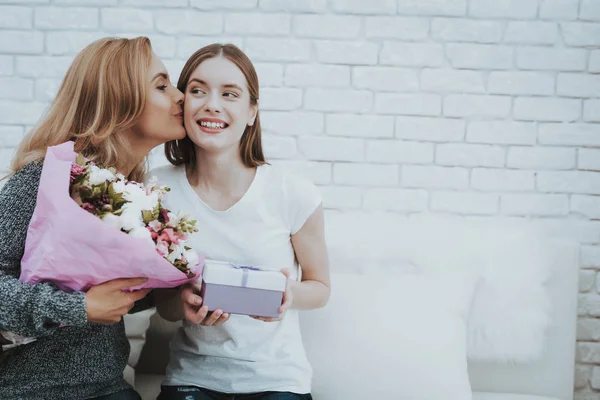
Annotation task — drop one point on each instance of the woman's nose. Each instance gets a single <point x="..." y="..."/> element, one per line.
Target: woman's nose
<point x="213" y="104"/>
<point x="178" y="96"/>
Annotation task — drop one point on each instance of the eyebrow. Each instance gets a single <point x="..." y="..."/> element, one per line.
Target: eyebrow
<point x="160" y="74"/>
<point x="227" y="85"/>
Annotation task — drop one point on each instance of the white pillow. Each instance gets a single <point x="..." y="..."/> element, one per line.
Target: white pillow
<point x="513" y="263"/>
<point x="391" y="336"/>
<point x="511" y="256"/>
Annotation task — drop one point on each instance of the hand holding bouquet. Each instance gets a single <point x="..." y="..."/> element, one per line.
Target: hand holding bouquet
<point x="91" y="225"/>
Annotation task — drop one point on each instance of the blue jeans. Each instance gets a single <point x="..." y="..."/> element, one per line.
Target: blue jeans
<point x="127" y="394"/>
<point x="196" y="393"/>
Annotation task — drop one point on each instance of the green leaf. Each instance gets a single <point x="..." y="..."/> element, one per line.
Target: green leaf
<point x="80" y="160"/>
<point x="117" y="201"/>
<point x="147" y="215"/>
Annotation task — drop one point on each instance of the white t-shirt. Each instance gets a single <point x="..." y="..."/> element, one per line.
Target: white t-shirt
<point x="244" y="355"/>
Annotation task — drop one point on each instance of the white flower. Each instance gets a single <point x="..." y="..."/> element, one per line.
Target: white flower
<point x="173" y="219"/>
<point x="142" y="233"/>
<point x="131" y="217"/>
<point x="118" y="186"/>
<point x="175" y="254"/>
<point x="191" y="257"/>
<point x="120" y="176"/>
<point x="100" y="175"/>
<point x="133" y="192"/>
<point x="136" y="195"/>
<point x="152" y="200"/>
<point x="112" y="220"/>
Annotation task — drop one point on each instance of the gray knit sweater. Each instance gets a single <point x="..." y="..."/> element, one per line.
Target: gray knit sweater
<point x="82" y="360"/>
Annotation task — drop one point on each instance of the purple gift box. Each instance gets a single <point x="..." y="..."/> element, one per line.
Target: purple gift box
<point x="241" y="289"/>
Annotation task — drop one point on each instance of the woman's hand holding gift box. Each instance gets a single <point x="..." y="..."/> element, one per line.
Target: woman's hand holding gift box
<point x="227" y="288"/>
<point x="195" y="312"/>
<point x="287" y="301"/>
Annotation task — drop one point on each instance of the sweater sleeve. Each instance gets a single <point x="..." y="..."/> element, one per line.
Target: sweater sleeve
<point x="29" y="310"/>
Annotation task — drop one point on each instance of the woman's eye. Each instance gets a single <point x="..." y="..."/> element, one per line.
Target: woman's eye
<point x="196" y="91"/>
<point x="229" y="94"/>
<point x="162" y="87"/>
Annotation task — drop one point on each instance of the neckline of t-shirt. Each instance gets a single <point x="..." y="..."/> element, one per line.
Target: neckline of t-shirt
<point x="186" y="184"/>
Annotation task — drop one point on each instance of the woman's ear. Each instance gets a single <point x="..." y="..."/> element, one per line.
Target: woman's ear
<point x="253" y="113"/>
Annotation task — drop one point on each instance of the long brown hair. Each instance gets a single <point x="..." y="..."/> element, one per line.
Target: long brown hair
<point x="183" y="151"/>
<point x="102" y="95"/>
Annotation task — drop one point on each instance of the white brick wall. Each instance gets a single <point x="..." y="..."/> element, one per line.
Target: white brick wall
<point x="591" y="110"/>
<point x="521" y="83"/>
<point x="465" y="107"/>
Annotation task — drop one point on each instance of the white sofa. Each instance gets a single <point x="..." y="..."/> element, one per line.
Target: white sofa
<point x="549" y="377"/>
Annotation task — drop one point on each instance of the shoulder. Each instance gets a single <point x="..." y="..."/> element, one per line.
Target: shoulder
<point x="27" y="178"/>
<point x="298" y="196"/>
<point x="33" y="170"/>
<point x="287" y="180"/>
<point x="18" y="197"/>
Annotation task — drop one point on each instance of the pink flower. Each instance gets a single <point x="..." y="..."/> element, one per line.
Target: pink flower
<point x="76" y="170"/>
<point x="155" y="225"/>
<point x="88" y="207"/>
<point x="162" y="248"/>
<point x="168" y="235"/>
<point x="153" y="234"/>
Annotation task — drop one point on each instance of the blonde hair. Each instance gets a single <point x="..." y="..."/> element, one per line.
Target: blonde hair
<point x="102" y="95"/>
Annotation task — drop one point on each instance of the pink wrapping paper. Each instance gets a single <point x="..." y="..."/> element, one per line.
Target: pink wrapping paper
<point x="75" y="249"/>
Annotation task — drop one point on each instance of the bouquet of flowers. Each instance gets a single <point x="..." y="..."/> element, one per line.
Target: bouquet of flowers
<point x="91" y="225"/>
<point x="134" y="209"/>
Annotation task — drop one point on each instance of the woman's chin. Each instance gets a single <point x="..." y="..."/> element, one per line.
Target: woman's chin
<point x="178" y="135"/>
<point x="209" y="146"/>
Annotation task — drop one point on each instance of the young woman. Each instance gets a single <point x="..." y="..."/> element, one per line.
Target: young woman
<point x="116" y="103"/>
<point x="248" y="212"/>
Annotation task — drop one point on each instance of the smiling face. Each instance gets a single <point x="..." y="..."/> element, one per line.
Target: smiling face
<point x="217" y="106"/>
<point x="221" y="101"/>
